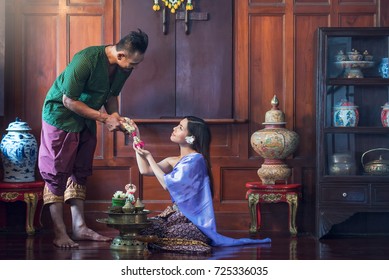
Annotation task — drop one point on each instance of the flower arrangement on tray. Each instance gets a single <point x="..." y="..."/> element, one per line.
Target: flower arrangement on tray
<point x="120" y="198"/>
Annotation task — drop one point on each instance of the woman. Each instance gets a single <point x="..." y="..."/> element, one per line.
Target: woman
<point x="187" y="178"/>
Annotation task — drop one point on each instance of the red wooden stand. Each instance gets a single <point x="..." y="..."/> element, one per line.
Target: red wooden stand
<point x="32" y="194"/>
<point x="258" y="193"/>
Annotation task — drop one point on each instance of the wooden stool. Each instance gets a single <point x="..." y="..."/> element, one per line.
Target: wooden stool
<point x="258" y="193"/>
<point x="31" y="193"/>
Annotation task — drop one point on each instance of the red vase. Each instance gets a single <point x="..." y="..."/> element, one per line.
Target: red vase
<point x="385" y="115"/>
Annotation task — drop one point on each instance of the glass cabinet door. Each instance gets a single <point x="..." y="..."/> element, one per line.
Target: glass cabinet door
<point x="352" y="93"/>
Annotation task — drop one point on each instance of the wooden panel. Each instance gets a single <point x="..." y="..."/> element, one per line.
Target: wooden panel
<point x="40" y="2"/>
<point x="241" y="59"/>
<point x="357" y="20"/>
<point x="384" y="12"/>
<point x="356" y="2"/>
<point x="224" y="141"/>
<point x="103" y="183"/>
<point x="204" y="63"/>
<point x="153" y="191"/>
<point x="2" y="54"/>
<point x="38" y="73"/>
<point x="85" y="2"/>
<point x="311" y="2"/>
<point x="305" y="100"/>
<point x="265" y="2"/>
<point x="84" y="31"/>
<point x="266" y="56"/>
<point x="234" y="180"/>
<point x="101" y="146"/>
<point x="307" y="179"/>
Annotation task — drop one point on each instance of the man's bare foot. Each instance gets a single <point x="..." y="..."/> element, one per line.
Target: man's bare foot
<point x="64" y="242"/>
<point x="88" y="234"/>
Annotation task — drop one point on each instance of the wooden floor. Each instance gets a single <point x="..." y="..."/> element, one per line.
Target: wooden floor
<point x="16" y="245"/>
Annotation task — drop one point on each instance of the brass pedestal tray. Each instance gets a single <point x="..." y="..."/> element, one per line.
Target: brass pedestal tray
<point x="129" y="226"/>
<point x="353" y="69"/>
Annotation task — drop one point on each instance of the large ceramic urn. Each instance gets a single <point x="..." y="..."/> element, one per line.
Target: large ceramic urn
<point x="274" y="143"/>
<point x="19" y="153"/>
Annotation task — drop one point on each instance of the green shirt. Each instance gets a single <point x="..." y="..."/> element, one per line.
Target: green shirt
<point x="85" y="79"/>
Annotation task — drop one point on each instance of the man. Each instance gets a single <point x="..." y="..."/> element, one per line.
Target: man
<point x="94" y="78"/>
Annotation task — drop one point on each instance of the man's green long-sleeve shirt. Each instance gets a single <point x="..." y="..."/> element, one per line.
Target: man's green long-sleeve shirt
<point x="85" y="79"/>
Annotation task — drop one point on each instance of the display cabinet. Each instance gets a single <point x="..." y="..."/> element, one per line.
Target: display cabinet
<point x="352" y="133"/>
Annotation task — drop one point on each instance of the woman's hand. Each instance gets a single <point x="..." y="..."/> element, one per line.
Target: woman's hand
<point x="142" y="152"/>
<point x="147" y="164"/>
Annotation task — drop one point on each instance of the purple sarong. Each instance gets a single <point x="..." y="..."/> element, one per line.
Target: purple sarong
<point x="65" y="154"/>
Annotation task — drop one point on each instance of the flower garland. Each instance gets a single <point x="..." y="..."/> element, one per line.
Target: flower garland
<point x="173" y="5"/>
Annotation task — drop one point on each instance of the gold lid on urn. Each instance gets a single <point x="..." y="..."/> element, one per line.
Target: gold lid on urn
<point x="274" y="115"/>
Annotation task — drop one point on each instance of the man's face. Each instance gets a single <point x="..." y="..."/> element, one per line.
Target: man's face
<point x="128" y="62"/>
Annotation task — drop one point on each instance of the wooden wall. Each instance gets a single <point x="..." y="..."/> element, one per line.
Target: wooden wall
<point x="274" y="53"/>
<point x="2" y="54"/>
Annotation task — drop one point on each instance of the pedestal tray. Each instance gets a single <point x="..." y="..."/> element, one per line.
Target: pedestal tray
<point x="129" y="226"/>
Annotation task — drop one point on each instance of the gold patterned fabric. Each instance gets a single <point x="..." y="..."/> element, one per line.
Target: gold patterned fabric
<point x="73" y="191"/>
<point x="181" y="246"/>
<point x="176" y="233"/>
<point x="49" y="197"/>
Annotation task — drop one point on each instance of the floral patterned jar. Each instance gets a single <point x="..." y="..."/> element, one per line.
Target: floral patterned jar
<point x="385" y="115"/>
<point x="274" y="143"/>
<point x="345" y="114"/>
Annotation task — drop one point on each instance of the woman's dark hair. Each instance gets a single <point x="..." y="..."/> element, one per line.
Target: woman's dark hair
<point x="135" y="41"/>
<point x="200" y="130"/>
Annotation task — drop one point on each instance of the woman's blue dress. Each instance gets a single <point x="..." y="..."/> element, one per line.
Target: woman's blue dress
<point x="189" y="188"/>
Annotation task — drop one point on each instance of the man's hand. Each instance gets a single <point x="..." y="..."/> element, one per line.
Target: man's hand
<point x="113" y="123"/>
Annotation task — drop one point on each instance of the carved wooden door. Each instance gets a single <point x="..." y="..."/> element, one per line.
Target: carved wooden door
<point x="188" y="65"/>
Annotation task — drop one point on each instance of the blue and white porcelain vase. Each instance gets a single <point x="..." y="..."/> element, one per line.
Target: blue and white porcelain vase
<point x="19" y="153"/>
<point x="384" y="67"/>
